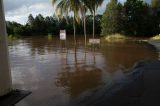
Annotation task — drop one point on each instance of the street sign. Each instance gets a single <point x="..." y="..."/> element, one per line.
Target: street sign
<point x="94" y="41"/>
<point x="62" y="34"/>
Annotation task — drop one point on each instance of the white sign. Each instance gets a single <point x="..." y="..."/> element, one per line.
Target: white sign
<point x="94" y="41"/>
<point x="62" y="34"/>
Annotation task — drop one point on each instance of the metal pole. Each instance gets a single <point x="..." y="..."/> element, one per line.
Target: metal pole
<point x="5" y="74"/>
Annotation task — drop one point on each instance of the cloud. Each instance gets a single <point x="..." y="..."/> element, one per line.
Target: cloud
<point x="102" y="8"/>
<point x="19" y="11"/>
<point x="148" y="1"/>
<point x="15" y="4"/>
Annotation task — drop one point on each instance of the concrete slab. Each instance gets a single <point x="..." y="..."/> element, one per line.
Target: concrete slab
<point x="139" y="88"/>
<point x="13" y="97"/>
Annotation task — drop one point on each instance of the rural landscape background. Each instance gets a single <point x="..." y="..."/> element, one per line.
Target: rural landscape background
<point x="109" y="57"/>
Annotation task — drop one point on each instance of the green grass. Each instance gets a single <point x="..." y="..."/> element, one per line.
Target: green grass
<point x="116" y="38"/>
<point x="12" y="37"/>
<point x="157" y="37"/>
<point x="49" y="36"/>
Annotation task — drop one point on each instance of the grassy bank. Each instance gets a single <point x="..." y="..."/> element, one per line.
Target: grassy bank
<point x="157" y="37"/>
<point x="122" y="38"/>
<point x="13" y="37"/>
<point x="117" y="38"/>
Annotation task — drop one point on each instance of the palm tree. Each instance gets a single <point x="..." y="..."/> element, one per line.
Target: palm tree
<point x="93" y="6"/>
<point x="63" y="7"/>
<point x="83" y="10"/>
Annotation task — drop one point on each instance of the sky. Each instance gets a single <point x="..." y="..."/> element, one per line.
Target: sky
<point x="19" y="10"/>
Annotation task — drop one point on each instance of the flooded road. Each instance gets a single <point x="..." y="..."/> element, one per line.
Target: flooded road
<point x="60" y="74"/>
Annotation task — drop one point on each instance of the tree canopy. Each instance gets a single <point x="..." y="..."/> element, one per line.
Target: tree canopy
<point x="40" y="25"/>
<point x="133" y="18"/>
<point x="111" y="21"/>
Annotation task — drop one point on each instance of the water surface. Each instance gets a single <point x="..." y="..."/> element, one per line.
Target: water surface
<point x="60" y="74"/>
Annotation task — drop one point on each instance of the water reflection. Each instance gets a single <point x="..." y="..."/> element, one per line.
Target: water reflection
<point x="79" y="77"/>
<point x="57" y="72"/>
<point x="83" y="79"/>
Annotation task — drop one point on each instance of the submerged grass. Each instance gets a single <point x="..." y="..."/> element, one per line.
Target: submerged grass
<point x="116" y="38"/>
<point x="50" y="36"/>
<point x="123" y="38"/>
<point x="157" y="37"/>
<point x="12" y="37"/>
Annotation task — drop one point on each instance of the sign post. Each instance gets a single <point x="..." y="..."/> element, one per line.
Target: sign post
<point x="62" y="34"/>
<point x="94" y="41"/>
<point x="63" y="38"/>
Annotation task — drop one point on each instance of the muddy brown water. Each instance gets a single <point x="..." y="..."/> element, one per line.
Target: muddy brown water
<point x="59" y="74"/>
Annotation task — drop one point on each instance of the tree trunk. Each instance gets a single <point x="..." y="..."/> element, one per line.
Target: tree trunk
<point x="93" y="24"/>
<point x="5" y="75"/>
<point x="85" y="34"/>
<point x="74" y="27"/>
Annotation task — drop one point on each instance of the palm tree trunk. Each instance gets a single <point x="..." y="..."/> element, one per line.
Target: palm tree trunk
<point x="5" y="74"/>
<point x="85" y="34"/>
<point x="93" y="24"/>
<point x="74" y="27"/>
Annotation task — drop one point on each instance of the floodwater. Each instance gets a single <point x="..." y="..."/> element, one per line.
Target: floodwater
<point x="60" y="74"/>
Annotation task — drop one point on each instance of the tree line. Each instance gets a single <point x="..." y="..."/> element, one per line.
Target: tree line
<point x="133" y="18"/>
<point x="40" y="25"/>
<point x="78" y="8"/>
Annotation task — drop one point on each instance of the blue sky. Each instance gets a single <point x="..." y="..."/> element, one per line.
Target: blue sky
<point x="18" y="10"/>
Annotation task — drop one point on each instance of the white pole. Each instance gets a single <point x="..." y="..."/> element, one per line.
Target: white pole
<point x="5" y="75"/>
